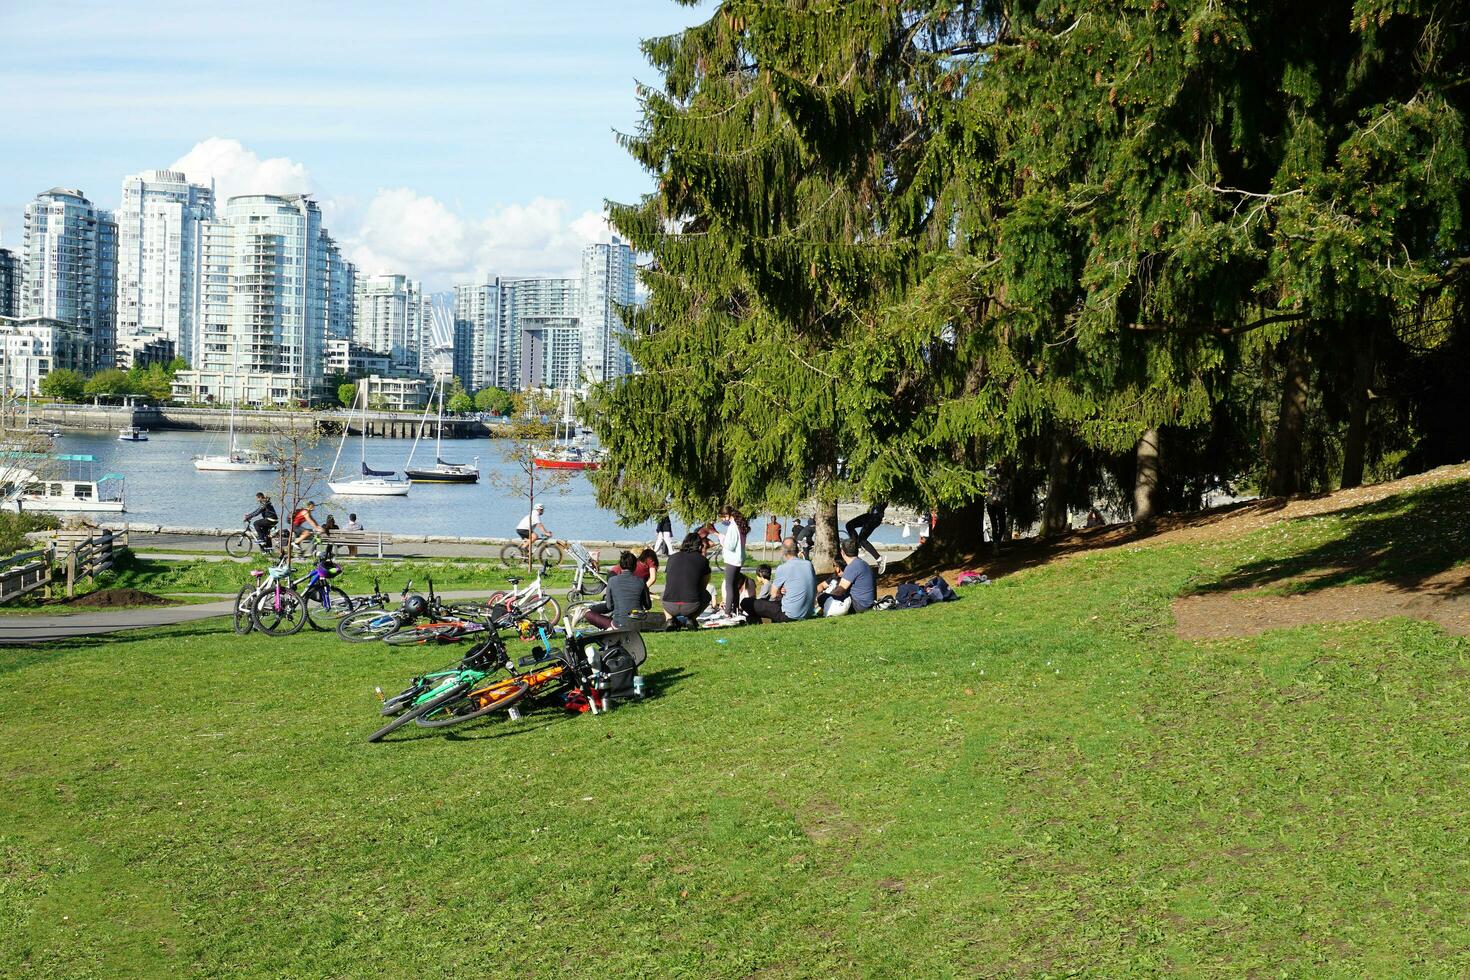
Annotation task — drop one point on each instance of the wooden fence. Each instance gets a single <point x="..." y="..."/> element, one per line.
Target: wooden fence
<point x="67" y="558"/>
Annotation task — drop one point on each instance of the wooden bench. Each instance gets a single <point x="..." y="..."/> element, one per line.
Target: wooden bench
<point x="355" y="539"/>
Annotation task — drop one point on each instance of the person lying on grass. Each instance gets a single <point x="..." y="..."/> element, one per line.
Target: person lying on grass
<point x="855" y="591"/>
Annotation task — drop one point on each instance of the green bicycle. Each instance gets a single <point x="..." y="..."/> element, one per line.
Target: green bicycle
<point x="440" y="689"/>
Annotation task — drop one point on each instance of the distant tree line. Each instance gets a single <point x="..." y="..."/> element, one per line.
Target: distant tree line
<point x="936" y="251"/>
<point x="153" y="382"/>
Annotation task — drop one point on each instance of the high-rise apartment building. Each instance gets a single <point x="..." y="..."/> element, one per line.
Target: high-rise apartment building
<point x="541" y="332"/>
<point x="268" y="301"/>
<point x="160" y="237"/>
<point x="390" y="317"/>
<point x="341" y="292"/>
<point x="70" y="257"/>
<point x="607" y="284"/>
<point x="10" y="282"/>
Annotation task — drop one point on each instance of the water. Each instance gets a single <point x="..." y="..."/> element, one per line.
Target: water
<point x="162" y="487"/>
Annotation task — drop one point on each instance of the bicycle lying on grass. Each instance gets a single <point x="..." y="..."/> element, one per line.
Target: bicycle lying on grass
<point x="401" y="627"/>
<point x="595" y="667"/>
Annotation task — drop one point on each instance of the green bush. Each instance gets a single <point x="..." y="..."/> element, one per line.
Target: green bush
<point x="15" y="527"/>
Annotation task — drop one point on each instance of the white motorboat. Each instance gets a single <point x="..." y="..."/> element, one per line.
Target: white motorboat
<point x="25" y="489"/>
<point x="236" y="460"/>
<point x="131" y="433"/>
<point x="442" y="471"/>
<point x="369" y="482"/>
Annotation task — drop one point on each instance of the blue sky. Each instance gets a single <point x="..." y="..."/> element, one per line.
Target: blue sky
<point x="448" y="140"/>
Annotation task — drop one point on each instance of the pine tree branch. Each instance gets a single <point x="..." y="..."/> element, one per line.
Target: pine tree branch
<point x="1266" y="321"/>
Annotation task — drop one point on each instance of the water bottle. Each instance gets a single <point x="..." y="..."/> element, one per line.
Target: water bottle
<point x="638" y="686"/>
<point x="513" y="713"/>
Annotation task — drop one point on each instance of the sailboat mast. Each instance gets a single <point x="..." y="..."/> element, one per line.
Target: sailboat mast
<point x="439" y="431"/>
<point x="346" y="428"/>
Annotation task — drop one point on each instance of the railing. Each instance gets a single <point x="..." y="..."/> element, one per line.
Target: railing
<point x="69" y="557"/>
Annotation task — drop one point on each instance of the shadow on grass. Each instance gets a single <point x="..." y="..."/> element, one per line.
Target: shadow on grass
<point x="1403" y="540"/>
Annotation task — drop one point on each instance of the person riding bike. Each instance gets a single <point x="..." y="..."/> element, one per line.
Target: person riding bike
<point x="264" y="518"/>
<point x="529" y="525"/>
<point x="303" y="524"/>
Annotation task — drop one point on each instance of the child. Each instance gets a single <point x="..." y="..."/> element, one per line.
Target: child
<point x="763" y="582"/>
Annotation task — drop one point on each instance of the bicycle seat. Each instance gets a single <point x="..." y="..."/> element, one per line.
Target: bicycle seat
<point x="257" y="573"/>
<point x="513" y="580"/>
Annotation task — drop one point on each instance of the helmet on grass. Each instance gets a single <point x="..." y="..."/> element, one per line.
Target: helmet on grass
<point x="416" y="606"/>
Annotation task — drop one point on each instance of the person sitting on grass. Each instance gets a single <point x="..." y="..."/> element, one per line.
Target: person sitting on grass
<point x="855" y="591"/>
<point x="626" y="594"/>
<point x="763" y="582"/>
<point x="793" y="586"/>
<point x="647" y="568"/>
<point x="686" y="580"/>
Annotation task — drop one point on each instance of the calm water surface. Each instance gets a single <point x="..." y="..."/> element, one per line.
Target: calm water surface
<point x="163" y="487"/>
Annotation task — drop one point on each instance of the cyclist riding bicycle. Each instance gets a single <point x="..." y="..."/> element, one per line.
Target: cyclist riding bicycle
<point x="264" y="520"/>
<point x="303" y="524"/>
<point x="529" y="525"/>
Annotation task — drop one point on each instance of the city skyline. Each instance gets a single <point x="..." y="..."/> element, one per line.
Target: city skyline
<point x="487" y="153"/>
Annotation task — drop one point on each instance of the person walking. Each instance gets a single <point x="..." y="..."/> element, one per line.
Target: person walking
<point x="861" y="527"/>
<point x="663" y="536"/>
<point x="805" y="535"/>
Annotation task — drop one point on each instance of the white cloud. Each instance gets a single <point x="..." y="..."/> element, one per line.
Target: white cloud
<point x="237" y="170"/>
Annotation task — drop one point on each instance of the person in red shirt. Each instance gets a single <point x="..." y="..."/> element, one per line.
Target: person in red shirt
<point x="646" y="567"/>
<point x="303" y="523"/>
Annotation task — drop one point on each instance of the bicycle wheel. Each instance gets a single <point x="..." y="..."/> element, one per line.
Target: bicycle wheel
<point x="432" y="704"/>
<point x="478" y="703"/>
<point x="366" y="625"/>
<point x="244" y="600"/>
<point x="551" y="554"/>
<point x="331" y="605"/>
<point x="239" y="544"/>
<point x="545" y="607"/>
<point x="414" y="635"/>
<point x="280" y="613"/>
<point x="511" y="555"/>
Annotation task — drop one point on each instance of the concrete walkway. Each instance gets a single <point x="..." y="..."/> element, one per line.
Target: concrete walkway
<point x="21" y="629"/>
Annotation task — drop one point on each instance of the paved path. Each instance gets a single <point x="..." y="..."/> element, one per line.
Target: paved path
<point x="18" y="629"/>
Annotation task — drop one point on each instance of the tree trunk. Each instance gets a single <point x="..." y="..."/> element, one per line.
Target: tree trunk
<point x="1147" y="476"/>
<point x="824" y="545"/>
<point x="958" y="536"/>
<point x="1284" y="476"/>
<point x="1058" y="486"/>
<point x="1354" y="446"/>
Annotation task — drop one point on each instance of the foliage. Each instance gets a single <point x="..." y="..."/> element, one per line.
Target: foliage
<point x="496" y="401"/>
<point x="110" y="382"/>
<point x="64" y="384"/>
<point x="459" y="403"/>
<point x="14" y="528"/>
<point x="346" y="394"/>
<point x="1068" y="790"/>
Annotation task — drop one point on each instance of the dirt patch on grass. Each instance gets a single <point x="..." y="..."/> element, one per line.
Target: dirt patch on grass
<point x="117" y="598"/>
<point x="1443" y="598"/>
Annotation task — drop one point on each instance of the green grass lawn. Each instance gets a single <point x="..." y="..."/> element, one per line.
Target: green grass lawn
<point x="1038" y="779"/>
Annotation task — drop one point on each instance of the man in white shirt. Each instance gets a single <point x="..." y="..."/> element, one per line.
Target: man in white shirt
<point x="529" y="525"/>
<point x="352" y="525"/>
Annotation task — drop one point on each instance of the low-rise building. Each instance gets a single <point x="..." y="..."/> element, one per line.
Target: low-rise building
<point x="141" y="351"/>
<point x="393" y="394"/>
<point x="33" y="347"/>
<point x="354" y="360"/>
<point x="222" y="387"/>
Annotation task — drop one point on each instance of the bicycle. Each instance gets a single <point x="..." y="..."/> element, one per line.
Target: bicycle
<point x="374" y="624"/>
<point x="433" y="691"/>
<point x="281" y="606"/>
<point x="522" y="603"/>
<point x="242" y="543"/>
<point x="546" y="551"/>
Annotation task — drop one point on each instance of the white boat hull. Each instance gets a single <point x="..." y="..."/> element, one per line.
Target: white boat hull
<point x="223" y="464"/>
<point x="58" y="505"/>
<point x="370" y="487"/>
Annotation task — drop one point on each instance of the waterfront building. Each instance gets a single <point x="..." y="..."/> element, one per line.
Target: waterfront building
<point x="341" y="292"/>
<point x="33" y="347"/>
<point x="606" y="285"/>
<point x="70" y="261"/>
<point x="160" y="243"/>
<point x="348" y="357"/>
<point x="10" y="283"/>
<point x="389" y="317"/>
<point x="268" y="301"/>
<point x="221" y="387"/>
<point x="462" y="347"/>
<point x="393" y="394"/>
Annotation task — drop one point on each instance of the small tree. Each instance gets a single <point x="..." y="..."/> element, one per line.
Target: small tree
<point x="347" y="394"/>
<point x="297" y="480"/>
<point x="110" y="382"/>
<point x="64" y="384"/>
<point x="459" y="403"/>
<point x="496" y="401"/>
<point x="522" y="475"/>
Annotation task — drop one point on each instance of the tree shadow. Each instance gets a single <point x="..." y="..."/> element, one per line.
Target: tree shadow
<point x="1404" y="541"/>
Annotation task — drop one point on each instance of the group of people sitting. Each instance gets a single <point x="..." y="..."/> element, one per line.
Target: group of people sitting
<point x="789" y="592"/>
<point x="304" y="524"/>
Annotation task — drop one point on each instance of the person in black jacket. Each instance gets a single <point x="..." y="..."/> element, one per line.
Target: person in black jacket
<point x="626" y="594"/>
<point x="264" y="516"/>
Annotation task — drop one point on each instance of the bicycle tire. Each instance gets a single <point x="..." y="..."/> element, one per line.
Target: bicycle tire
<point x="363" y="626"/>
<point x="551" y="555"/>
<point x="547" y="606"/>
<point x="512" y="556"/>
<point x="338" y="606"/>
<point x="284" y="618"/>
<point x="453" y="694"/>
<point x="239" y="545"/>
<point x="415" y="635"/>
<point x="244" y="603"/>
<point x="516" y="692"/>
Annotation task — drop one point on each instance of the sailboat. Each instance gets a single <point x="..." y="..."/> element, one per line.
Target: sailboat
<point x="571" y="452"/>
<point x="370" y="482"/>
<point x="442" y="471"/>
<point x="236" y="460"/>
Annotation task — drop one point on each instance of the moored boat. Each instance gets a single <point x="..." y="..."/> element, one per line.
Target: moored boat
<point x="131" y="433"/>
<point x="76" y="490"/>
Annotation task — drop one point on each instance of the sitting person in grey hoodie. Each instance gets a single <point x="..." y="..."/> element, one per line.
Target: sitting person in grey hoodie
<point x="626" y="594"/>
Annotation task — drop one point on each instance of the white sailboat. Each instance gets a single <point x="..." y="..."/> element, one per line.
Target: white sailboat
<point x="370" y="482"/>
<point x="236" y="460"/>
<point x="442" y="471"/>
